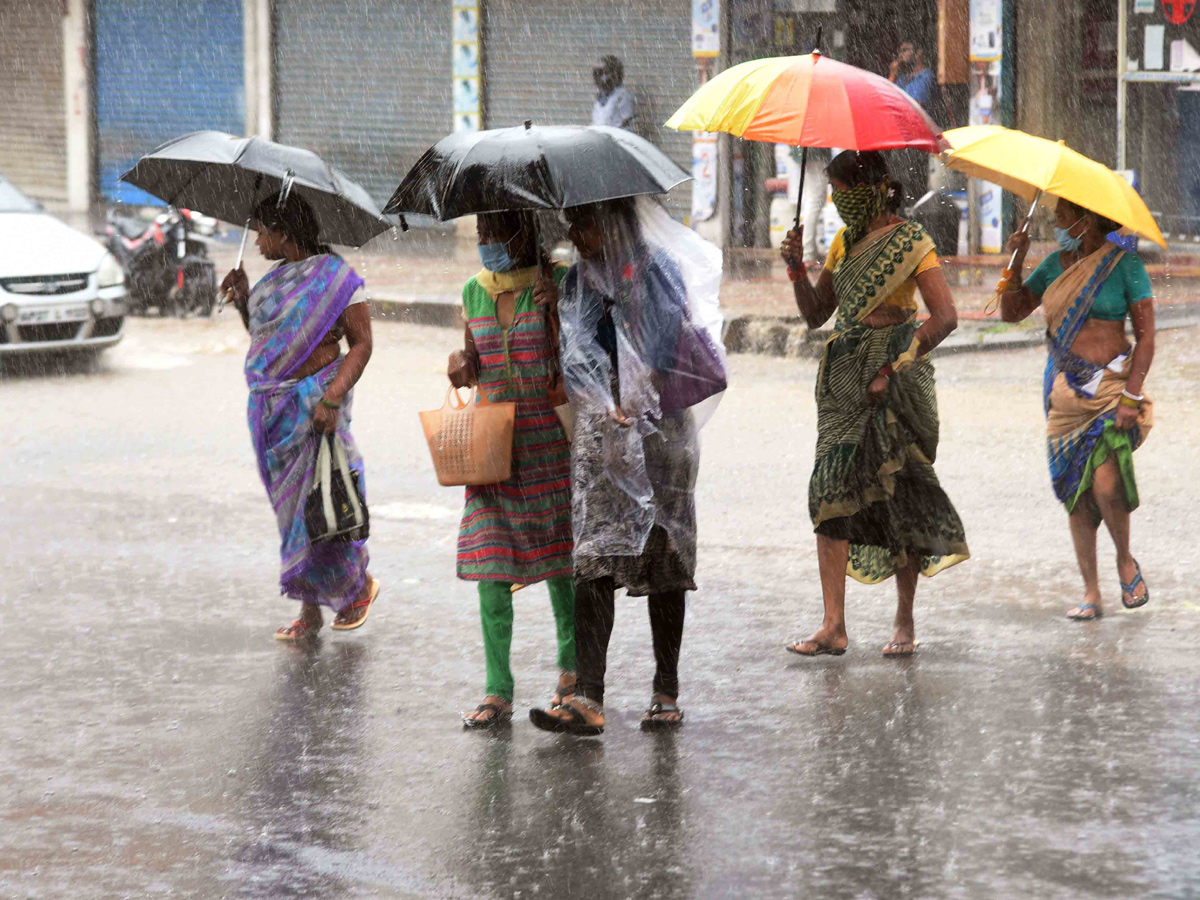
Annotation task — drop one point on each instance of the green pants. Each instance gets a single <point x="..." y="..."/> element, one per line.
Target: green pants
<point x="496" y="614"/>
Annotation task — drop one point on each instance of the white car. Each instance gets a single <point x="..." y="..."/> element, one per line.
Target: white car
<point x="59" y="289"/>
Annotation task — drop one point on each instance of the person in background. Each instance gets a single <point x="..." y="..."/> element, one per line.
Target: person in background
<point x="909" y="73"/>
<point x="876" y="505"/>
<point x="1097" y="413"/>
<point x="614" y="104"/>
<point x="518" y="532"/>
<point x="302" y="385"/>
<point x="816" y="191"/>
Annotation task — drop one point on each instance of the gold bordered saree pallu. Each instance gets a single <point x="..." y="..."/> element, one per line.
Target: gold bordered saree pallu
<point x="1081" y="397"/>
<point x="873" y="483"/>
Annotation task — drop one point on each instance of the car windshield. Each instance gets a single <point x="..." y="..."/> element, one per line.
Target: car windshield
<point x="12" y="200"/>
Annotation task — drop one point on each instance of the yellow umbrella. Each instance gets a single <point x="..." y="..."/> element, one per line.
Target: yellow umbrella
<point x="1029" y="166"/>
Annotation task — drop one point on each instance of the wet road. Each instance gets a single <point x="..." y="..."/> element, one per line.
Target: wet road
<point x="154" y="740"/>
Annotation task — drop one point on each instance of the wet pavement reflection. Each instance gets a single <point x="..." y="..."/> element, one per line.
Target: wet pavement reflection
<point x="154" y="740"/>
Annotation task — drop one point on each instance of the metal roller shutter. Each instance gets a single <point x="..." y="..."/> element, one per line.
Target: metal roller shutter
<point x="163" y="68"/>
<point x="33" y="146"/>
<point x="365" y="85"/>
<point x="539" y="54"/>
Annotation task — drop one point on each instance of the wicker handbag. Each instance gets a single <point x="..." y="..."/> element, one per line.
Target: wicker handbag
<point x="471" y="443"/>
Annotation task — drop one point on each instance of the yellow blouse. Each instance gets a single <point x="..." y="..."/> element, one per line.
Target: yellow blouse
<point x="905" y="297"/>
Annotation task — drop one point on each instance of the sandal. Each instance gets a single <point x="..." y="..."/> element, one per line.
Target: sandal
<point x="561" y="695"/>
<point x="893" y="648"/>
<point x="298" y="631"/>
<point x="1128" y="589"/>
<point x="819" y="649"/>
<point x="363" y="604"/>
<point x="499" y="716"/>
<point x="1082" y="614"/>
<point x="651" y="722"/>
<point x="576" y="724"/>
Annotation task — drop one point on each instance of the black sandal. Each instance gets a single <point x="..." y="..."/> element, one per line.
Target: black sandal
<point x="563" y="695"/>
<point x="651" y="723"/>
<point x="500" y="716"/>
<point x="576" y="725"/>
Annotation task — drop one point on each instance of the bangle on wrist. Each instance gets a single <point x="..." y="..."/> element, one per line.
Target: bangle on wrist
<point x="887" y="371"/>
<point x="1130" y="402"/>
<point x="1135" y="397"/>
<point x="328" y="404"/>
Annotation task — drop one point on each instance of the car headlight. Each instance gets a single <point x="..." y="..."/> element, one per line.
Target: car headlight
<point x="110" y="273"/>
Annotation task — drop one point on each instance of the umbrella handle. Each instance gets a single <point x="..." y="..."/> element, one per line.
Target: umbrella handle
<point x="1010" y="270"/>
<point x="224" y="296"/>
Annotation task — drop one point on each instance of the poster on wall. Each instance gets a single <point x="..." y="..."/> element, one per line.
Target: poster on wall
<point x="468" y="81"/>
<point x="706" y="28"/>
<point x="986" y="65"/>
<point x="704" y="176"/>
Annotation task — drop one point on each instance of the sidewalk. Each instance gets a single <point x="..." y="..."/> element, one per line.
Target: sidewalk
<point x="417" y="277"/>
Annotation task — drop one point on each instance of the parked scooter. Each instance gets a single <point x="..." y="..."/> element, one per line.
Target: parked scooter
<point x="166" y="261"/>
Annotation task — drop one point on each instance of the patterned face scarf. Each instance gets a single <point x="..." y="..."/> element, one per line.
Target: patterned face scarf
<point x="858" y="206"/>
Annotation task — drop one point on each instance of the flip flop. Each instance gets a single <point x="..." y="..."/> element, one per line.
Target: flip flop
<point x="822" y="649"/>
<point x="901" y="654"/>
<point x="651" y="723"/>
<point x="1080" y="615"/>
<point x="1129" y="588"/>
<point x="576" y="725"/>
<point x="364" y="603"/>
<point x="296" y="632"/>
<point x="499" y="716"/>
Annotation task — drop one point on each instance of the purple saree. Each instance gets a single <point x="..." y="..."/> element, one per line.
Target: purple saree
<point x="291" y="310"/>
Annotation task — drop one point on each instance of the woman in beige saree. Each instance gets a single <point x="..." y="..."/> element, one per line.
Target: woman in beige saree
<point x="1096" y="411"/>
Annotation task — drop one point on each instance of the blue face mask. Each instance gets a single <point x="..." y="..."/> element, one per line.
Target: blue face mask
<point x="495" y="257"/>
<point x="1065" y="241"/>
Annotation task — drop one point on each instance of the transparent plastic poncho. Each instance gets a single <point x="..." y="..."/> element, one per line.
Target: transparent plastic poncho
<point x="645" y="367"/>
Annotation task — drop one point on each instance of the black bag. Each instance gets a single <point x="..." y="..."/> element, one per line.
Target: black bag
<point x="335" y="510"/>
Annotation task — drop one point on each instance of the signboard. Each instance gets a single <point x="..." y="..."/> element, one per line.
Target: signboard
<point x="987" y="18"/>
<point x="704" y="176"/>
<point x="1178" y="11"/>
<point x="706" y="28"/>
<point x="468" y="82"/>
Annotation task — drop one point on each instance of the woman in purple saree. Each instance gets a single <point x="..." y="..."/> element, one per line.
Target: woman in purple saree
<point x="301" y="385"/>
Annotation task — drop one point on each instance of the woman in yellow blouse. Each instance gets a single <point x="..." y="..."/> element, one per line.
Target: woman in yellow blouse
<point x="875" y="502"/>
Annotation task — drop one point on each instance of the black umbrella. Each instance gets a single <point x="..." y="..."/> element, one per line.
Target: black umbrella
<point x="532" y="167"/>
<point x="226" y="177"/>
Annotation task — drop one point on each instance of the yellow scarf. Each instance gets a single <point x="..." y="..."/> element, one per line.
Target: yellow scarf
<point x="497" y="283"/>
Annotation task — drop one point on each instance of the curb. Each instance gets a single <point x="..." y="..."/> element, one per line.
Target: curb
<point x="782" y="336"/>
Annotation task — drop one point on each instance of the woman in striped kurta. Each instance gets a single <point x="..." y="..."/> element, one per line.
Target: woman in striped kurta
<point x="517" y="532"/>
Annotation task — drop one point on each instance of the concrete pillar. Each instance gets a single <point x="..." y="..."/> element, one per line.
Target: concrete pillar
<point x="258" y="67"/>
<point x="78" y="97"/>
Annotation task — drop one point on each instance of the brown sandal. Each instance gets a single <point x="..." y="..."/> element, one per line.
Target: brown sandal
<point x="298" y="631"/>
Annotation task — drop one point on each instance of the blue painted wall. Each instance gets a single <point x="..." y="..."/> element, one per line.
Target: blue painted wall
<point x="163" y="68"/>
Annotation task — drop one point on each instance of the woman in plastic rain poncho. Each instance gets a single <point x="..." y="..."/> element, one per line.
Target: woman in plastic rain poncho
<point x="643" y="366"/>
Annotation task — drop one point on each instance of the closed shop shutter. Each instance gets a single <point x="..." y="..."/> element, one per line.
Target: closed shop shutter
<point x="163" y="68"/>
<point x="33" y="129"/>
<point x="364" y="85"/>
<point x="539" y="54"/>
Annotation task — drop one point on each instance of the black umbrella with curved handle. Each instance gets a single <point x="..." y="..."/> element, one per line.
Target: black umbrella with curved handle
<point x="532" y="167"/>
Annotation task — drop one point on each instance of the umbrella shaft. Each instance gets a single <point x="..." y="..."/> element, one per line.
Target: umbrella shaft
<point x="1012" y="262"/>
<point x="242" y="248"/>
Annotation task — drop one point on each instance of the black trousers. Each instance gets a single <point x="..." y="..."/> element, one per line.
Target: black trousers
<point x="595" y="610"/>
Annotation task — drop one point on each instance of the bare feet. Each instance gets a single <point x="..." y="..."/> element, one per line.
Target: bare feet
<point x="903" y="642"/>
<point x="828" y="639"/>
<point x="494" y="708"/>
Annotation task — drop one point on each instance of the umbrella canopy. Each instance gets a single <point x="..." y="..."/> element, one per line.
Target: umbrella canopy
<point x="808" y="101"/>
<point x="1027" y="165"/>
<point x="226" y="177"/>
<point x="532" y="167"/>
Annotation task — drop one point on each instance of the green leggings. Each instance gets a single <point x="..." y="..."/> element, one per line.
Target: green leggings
<point x="496" y="613"/>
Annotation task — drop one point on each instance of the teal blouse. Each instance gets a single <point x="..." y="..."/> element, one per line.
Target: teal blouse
<point x="1127" y="284"/>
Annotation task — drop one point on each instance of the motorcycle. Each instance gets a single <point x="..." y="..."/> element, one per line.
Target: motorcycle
<point x="166" y="261"/>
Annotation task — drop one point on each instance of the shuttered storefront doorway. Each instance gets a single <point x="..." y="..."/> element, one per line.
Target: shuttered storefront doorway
<point x="33" y="128"/>
<point x="364" y="85"/>
<point x="163" y="68"/>
<point x="539" y="54"/>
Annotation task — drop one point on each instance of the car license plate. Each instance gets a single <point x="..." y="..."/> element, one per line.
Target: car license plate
<point x="47" y="314"/>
